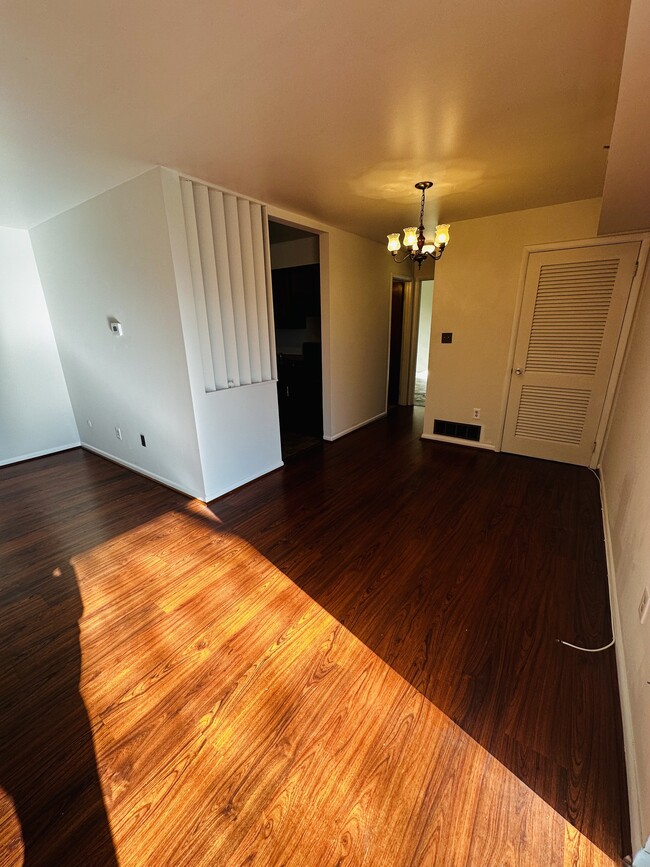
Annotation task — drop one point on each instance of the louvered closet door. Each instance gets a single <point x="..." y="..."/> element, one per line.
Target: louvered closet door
<point x="571" y="317"/>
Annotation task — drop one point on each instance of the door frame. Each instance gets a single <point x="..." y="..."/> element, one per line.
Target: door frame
<point x="407" y="317"/>
<point x="628" y="319"/>
<point x="415" y="333"/>
<point x="278" y="216"/>
<point x="413" y="341"/>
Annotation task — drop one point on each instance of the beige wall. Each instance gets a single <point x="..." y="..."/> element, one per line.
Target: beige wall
<point x="359" y="309"/>
<point x="476" y="285"/>
<point x="626" y="484"/>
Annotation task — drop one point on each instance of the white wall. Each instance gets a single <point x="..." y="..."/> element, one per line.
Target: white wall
<point x="111" y="257"/>
<point x="626" y="486"/>
<point x="476" y="288"/>
<point x="238" y="429"/>
<point x="35" y="412"/>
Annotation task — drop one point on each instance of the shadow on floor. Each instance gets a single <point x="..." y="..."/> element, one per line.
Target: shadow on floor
<point x="47" y="758"/>
<point x="48" y="765"/>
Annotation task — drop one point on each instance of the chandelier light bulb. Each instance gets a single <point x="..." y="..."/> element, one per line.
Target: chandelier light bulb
<point x="411" y="237"/>
<point x="393" y="242"/>
<point x="442" y="235"/>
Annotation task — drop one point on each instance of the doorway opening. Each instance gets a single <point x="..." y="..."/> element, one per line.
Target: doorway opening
<point x="423" y="340"/>
<point x="295" y="277"/>
<point x="396" y="341"/>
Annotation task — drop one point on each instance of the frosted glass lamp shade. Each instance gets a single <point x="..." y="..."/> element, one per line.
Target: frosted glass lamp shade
<point x="429" y="247"/>
<point x="410" y="237"/>
<point x="393" y="242"/>
<point x="442" y="235"/>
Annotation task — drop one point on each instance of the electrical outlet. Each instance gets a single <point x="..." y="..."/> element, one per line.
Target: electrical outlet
<point x="476" y="413"/>
<point x="643" y="605"/>
<point x="118" y="433"/>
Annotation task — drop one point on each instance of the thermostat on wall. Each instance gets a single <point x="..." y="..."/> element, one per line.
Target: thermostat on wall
<point x="116" y="327"/>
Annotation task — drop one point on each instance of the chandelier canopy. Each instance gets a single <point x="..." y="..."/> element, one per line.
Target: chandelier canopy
<point x="417" y="247"/>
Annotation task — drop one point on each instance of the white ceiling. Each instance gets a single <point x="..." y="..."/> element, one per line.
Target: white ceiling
<point x="332" y="109"/>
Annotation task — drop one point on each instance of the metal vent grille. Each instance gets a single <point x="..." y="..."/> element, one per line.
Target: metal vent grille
<point x="554" y="414"/>
<point x="457" y="429"/>
<point x="570" y="316"/>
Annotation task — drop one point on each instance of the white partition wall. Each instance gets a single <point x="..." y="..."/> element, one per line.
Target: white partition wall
<point x="185" y="393"/>
<point x="220" y="250"/>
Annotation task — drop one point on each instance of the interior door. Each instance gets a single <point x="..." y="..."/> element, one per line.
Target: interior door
<point x="571" y="317"/>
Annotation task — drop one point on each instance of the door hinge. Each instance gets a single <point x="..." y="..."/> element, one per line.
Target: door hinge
<point x="636" y="268"/>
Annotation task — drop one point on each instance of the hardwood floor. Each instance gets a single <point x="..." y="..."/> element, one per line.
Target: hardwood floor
<point x="352" y="661"/>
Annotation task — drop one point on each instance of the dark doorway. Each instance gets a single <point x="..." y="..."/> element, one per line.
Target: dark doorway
<point x="395" y="358"/>
<point x="295" y="274"/>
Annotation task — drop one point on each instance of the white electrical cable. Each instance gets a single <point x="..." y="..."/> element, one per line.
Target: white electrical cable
<point x="611" y="643"/>
<point x="587" y="649"/>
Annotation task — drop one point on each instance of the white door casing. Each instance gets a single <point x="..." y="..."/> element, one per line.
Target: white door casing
<point x="571" y="316"/>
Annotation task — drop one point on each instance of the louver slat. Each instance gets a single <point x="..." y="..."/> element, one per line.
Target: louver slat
<point x="571" y="309"/>
<point x="555" y="414"/>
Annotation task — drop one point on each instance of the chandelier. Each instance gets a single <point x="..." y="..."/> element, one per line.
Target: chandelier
<point x="417" y="247"/>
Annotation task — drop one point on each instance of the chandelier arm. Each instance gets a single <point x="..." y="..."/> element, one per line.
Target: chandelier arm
<point x="418" y="257"/>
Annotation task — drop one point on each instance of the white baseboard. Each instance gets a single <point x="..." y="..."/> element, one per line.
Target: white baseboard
<point x="355" y="427"/>
<point x="189" y="492"/>
<point x="459" y="442"/>
<point x="631" y="767"/>
<point x="40" y="454"/>
<point x="244" y="481"/>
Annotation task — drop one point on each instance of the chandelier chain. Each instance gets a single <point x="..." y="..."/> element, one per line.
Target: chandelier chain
<point x="422" y="209"/>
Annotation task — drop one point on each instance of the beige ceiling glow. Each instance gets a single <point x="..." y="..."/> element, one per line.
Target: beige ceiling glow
<point x="299" y="103"/>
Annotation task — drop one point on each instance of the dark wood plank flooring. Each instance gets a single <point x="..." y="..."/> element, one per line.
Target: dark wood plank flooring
<point x="352" y="661"/>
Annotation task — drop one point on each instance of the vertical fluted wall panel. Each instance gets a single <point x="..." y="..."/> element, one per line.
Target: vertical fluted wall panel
<point x="228" y="247"/>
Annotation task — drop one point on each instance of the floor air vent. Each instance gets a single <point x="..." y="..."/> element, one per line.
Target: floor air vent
<point x="457" y="429"/>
